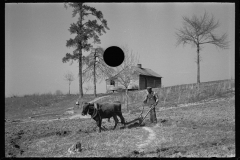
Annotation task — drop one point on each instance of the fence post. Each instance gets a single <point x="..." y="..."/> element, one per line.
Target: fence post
<point x="179" y="94"/>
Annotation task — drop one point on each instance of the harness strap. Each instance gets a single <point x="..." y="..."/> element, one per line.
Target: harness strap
<point x="95" y="110"/>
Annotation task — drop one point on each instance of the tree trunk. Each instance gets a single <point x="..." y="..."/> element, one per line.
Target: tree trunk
<point x="126" y="98"/>
<point x="94" y="75"/>
<point x="80" y="60"/>
<point x="69" y="88"/>
<point x="198" y="65"/>
<point x="80" y="75"/>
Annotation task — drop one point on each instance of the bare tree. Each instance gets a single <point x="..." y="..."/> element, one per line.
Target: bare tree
<point x="198" y="32"/>
<point x="96" y="68"/>
<point x="87" y="88"/>
<point x="125" y="73"/>
<point x="69" y="77"/>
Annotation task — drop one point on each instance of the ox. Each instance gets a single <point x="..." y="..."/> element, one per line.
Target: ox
<point x="105" y="110"/>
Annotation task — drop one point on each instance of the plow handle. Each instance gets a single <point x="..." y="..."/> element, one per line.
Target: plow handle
<point x="146" y="114"/>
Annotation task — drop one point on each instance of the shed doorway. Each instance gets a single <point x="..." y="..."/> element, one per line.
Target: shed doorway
<point x="145" y="83"/>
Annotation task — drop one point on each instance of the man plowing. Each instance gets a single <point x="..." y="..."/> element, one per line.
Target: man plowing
<point x="151" y="100"/>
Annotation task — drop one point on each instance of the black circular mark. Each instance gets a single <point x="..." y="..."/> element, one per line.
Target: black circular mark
<point x="113" y="56"/>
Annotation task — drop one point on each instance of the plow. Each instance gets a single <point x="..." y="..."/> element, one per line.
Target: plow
<point x="140" y="118"/>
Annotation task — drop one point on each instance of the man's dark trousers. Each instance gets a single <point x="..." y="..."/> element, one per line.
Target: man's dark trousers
<point x="153" y="117"/>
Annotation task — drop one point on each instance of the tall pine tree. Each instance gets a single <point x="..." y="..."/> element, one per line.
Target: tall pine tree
<point x="84" y="30"/>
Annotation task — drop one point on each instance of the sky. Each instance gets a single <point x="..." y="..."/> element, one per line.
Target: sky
<point x="36" y="35"/>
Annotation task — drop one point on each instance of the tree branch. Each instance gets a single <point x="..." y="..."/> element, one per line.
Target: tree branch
<point x="199" y="31"/>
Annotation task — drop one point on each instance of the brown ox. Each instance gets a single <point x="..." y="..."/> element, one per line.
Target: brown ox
<point x="105" y="110"/>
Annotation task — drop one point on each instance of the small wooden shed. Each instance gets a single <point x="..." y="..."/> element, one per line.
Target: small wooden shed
<point x="144" y="78"/>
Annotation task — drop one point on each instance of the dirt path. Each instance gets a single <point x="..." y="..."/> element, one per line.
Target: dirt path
<point x="151" y="137"/>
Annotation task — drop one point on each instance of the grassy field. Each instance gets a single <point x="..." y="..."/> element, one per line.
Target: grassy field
<point x="205" y="128"/>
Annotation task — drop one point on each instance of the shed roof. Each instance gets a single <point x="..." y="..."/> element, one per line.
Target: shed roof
<point x="141" y="71"/>
<point x="146" y="72"/>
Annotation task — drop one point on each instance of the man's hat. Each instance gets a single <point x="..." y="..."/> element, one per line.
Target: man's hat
<point x="149" y="87"/>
